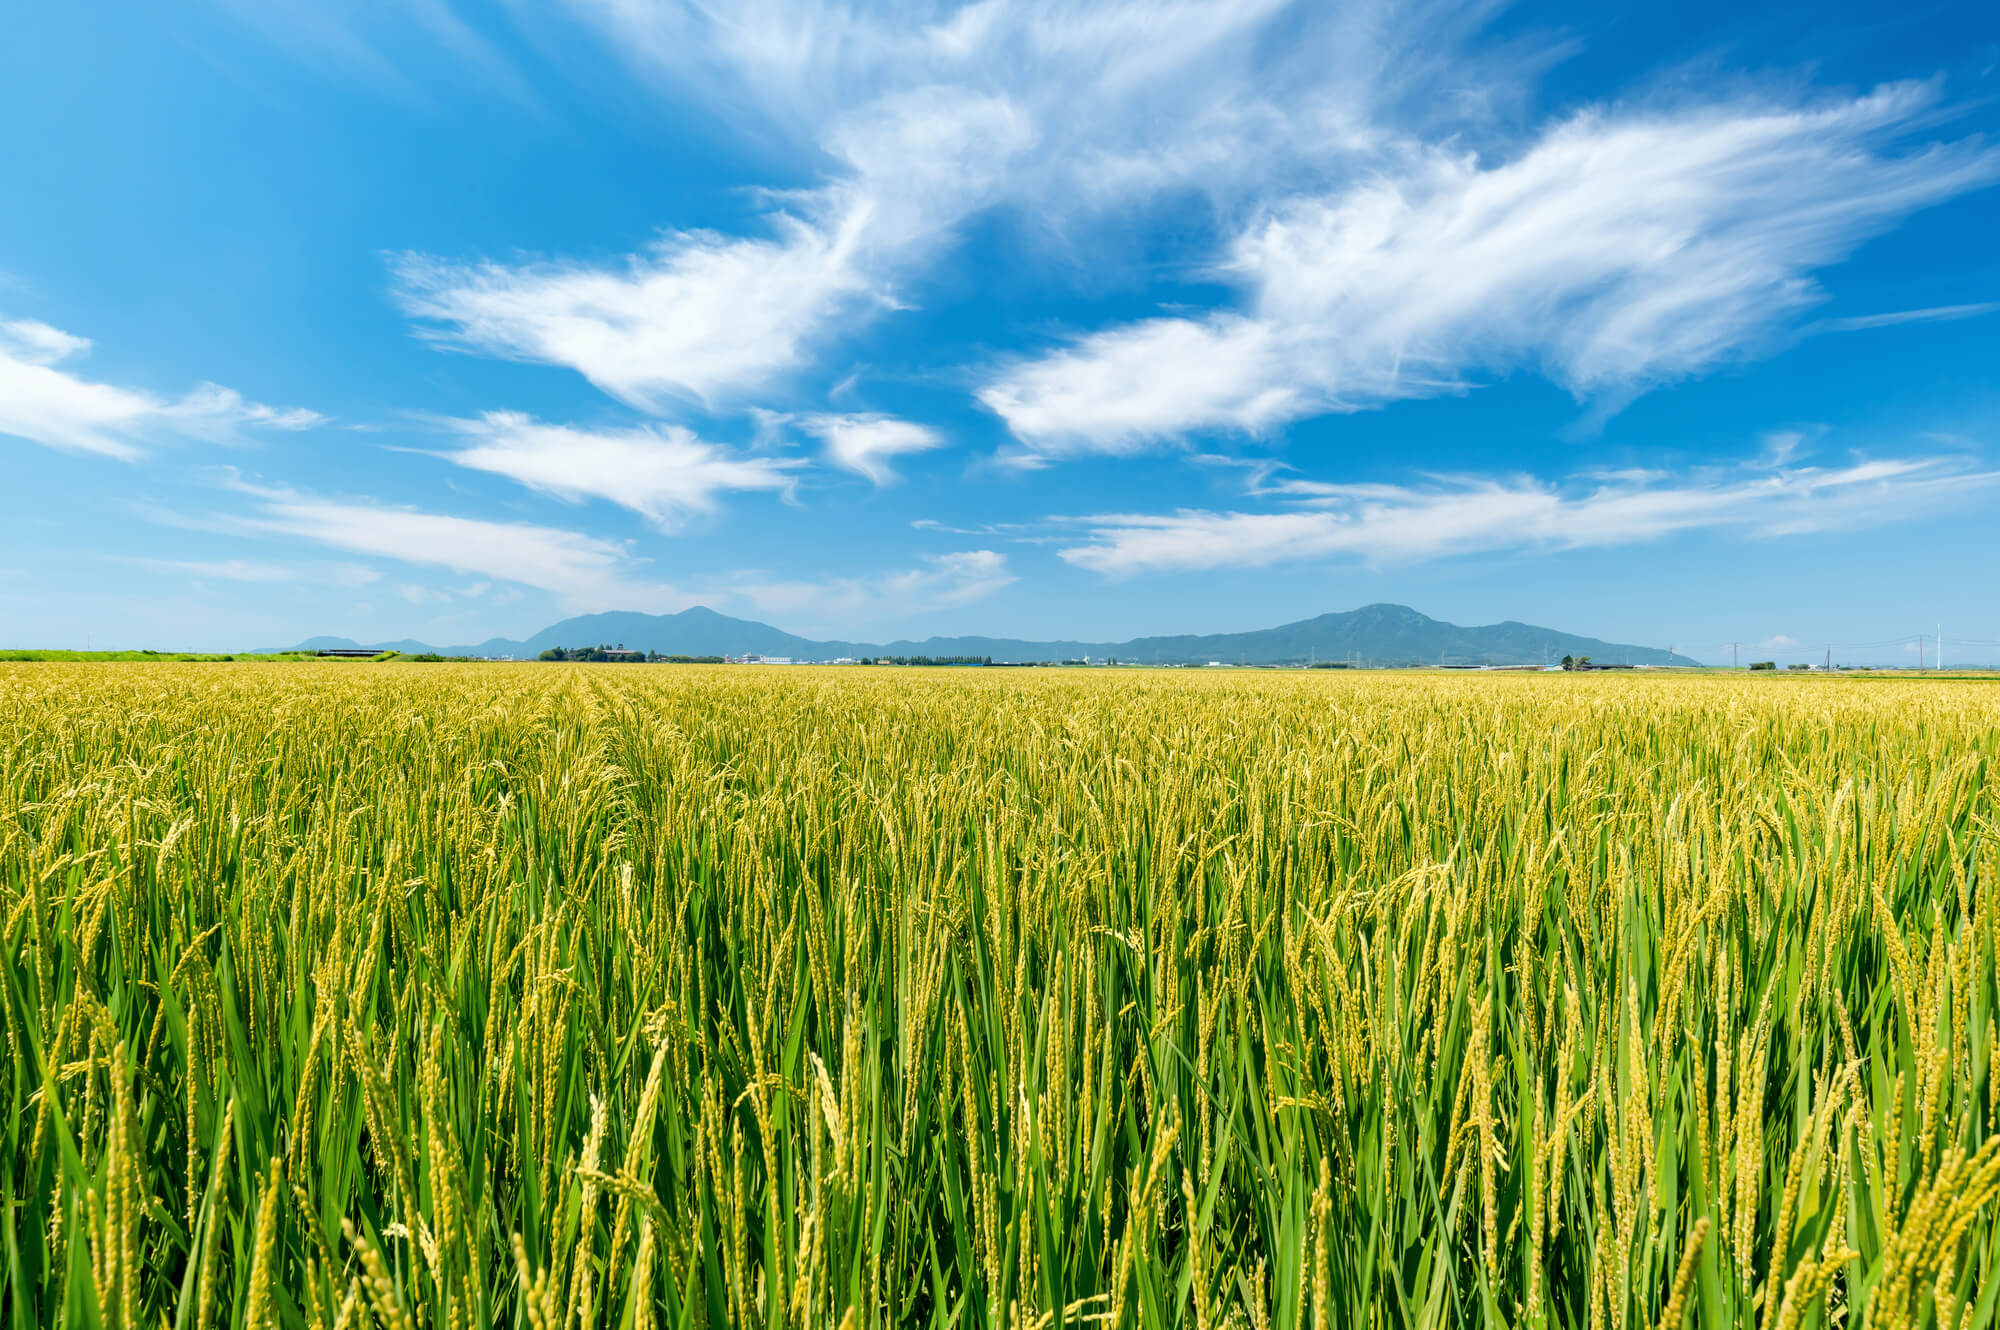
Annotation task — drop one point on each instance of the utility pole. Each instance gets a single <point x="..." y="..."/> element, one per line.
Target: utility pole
<point x="1732" y="654"/>
<point x="1940" y="650"/>
<point x="1829" y="660"/>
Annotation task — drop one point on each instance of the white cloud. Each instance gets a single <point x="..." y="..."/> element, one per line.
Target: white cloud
<point x="1935" y="314"/>
<point x="864" y="443"/>
<point x="1618" y="252"/>
<point x="1116" y="104"/>
<point x="1118" y="392"/>
<point x="912" y="117"/>
<point x="943" y="581"/>
<point x="38" y="344"/>
<point x="697" y="316"/>
<point x="587" y="572"/>
<point x="58" y="409"/>
<point x="1780" y="447"/>
<point x="1396" y="221"/>
<point x="1395" y="523"/>
<point x="705" y="317"/>
<point x="952" y="579"/>
<point x="664" y="473"/>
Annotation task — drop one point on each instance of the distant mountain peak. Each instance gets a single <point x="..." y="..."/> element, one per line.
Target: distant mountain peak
<point x="1381" y="633"/>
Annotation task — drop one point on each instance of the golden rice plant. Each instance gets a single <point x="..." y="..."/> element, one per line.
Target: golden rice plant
<point x="558" y="997"/>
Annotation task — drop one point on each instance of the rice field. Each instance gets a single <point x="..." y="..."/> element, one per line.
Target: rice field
<point x="557" y="996"/>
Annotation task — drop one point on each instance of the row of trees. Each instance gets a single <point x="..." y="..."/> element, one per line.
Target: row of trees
<point x="934" y="660"/>
<point x="619" y="655"/>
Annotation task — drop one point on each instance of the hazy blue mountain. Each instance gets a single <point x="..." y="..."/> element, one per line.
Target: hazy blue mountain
<point x="1373" y="634"/>
<point x="1394" y="634"/>
<point x="316" y="644"/>
<point x="410" y="645"/>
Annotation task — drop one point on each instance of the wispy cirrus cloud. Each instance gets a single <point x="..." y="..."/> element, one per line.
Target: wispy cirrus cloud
<point x="865" y="443"/>
<point x="943" y="581"/>
<point x="1618" y="252"/>
<point x="44" y="402"/>
<point x="1613" y="251"/>
<point x="707" y="318"/>
<point x="1896" y="318"/>
<point x="697" y="316"/>
<point x="666" y="473"/>
<point x="1383" y="524"/>
<point x="912" y="117"/>
<point x="589" y="573"/>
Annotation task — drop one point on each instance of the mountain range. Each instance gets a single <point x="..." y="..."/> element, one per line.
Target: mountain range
<point x="1373" y="634"/>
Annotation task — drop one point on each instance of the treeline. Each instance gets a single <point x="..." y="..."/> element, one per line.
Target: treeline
<point x="933" y="660"/>
<point x="620" y="656"/>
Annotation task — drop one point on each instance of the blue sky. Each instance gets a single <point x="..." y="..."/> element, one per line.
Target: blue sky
<point x="1043" y="319"/>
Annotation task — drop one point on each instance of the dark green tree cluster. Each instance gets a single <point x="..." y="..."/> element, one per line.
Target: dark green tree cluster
<point x="934" y="660"/>
<point x="614" y="655"/>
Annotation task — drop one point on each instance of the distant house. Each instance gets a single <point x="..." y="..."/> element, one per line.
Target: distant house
<point x="349" y="653"/>
<point x="620" y="653"/>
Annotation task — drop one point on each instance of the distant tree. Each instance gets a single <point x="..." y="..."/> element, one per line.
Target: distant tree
<point x="1764" y="665"/>
<point x="1569" y="662"/>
